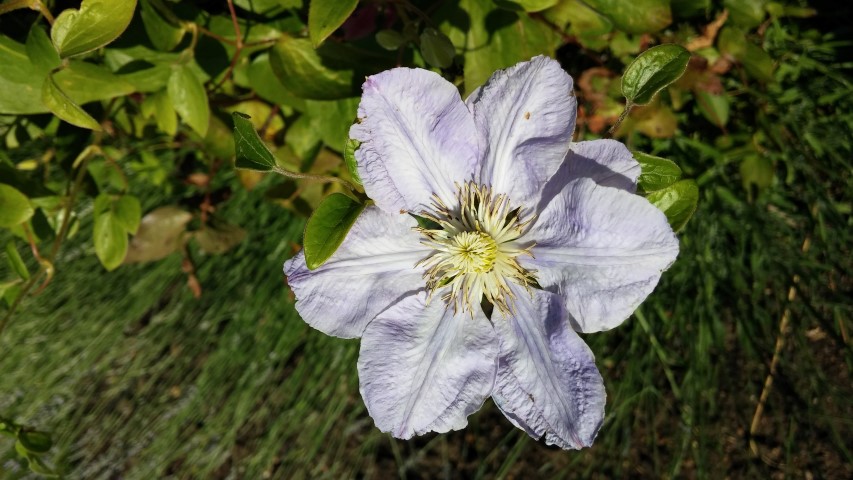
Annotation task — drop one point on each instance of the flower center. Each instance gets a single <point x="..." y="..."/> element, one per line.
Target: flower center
<point x="475" y="250"/>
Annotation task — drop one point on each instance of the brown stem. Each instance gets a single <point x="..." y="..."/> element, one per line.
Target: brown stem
<point x="622" y="117"/>
<point x="238" y="47"/>
<point x="777" y="352"/>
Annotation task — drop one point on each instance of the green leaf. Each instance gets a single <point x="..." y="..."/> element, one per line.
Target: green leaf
<point x="40" y="51"/>
<point x="656" y="172"/>
<point x="390" y="39"/>
<point x="349" y="157"/>
<point x="745" y="13"/>
<point x="652" y="71"/>
<point x="35" y="442"/>
<point x="636" y="16"/>
<point x="714" y="107"/>
<point x="332" y="71"/>
<point x="128" y="213"/>
<point x="95" y="24"/>
<point x="584" y="22"/>
<point x="677" y="201"/>
<point x="498" y="39"/>
<point x="251" y="152"/>
<point x="63" y="107"/>
<point x="159" y="105"/>
<point x="110" y="240"/>
<point x="189" y="98"/>
<point x="328" y="226"/>
<point x="85" y="82"/>
<point x="526" y="5"/>
<point x="16" y="262"/>
<point x="163" y="33"/>
<point x="161" y="232"/>
<point x="436" y="48"/>
<point x="20" y="80"/>
<point x="332" y="120"/>
<point x="264" y="82"/>
<point x="15" y="207"/>
<point x="326" y="16"/>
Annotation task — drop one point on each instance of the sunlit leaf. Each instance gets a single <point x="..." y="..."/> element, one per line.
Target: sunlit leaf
<point x="15" y="208"/>
<point x="322" y="74"/>
<point x="326" y="16"/>
<point x="636" y="16"/>
<point x="328" y="226"/>
<point x="349" y="157"/>
<point x="656" y="172"/>
<point x="65" y="108"/>
<point x="653" y="70"/>
<point x="189" y="98"/>
<point x="40" y="50"/>
<point x="110" y="240"/>
<point x="128" y="213"/>
<point x="95" y="24"/>
<point x="677" y="201"/>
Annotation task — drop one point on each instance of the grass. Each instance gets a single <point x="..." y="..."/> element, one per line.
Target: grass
<point x="135" y="378"/>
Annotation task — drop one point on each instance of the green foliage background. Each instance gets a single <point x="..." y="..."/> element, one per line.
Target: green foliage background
<point x="187" y="360"/>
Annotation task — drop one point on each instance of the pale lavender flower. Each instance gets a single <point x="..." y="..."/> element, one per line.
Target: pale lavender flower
<point x="547" y="234"/>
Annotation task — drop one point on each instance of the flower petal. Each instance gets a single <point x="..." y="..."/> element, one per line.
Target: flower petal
<point x="602" y="249"/>
<point x="527" y="115"/>
<point x="607" y="162"/>
<point x="547" y="382"/>
<point x="424" y="369"/>
<point x="417" y="139"/>
<point x="373" y="268"/>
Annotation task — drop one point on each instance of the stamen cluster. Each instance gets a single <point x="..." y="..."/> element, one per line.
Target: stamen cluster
<point x="475" y="249"/>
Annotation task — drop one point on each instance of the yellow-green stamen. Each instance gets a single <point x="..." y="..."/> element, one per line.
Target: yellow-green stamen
<point x="475" y="250"/>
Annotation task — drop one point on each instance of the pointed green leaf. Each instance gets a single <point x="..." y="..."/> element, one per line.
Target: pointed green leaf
<point x="436" y="48"/>
<point x="189" y="98"/>
<point x="159" y="105"/>
<point x="636" y="16"/>
<point x="328" y="226"/>
<point x="40" y="51"/>
<point x="16" y="262"/>
<point x="656" y="172"/>
<point x="128" y="213"/>
<point x="163" y="33"/>
<point x="677" y="201"/>
<point x="327" y="73"/>
<point x="652" y="71"/>
<point x="63" y="107"/>
<point x="349" y="157"/>
<point x="714" y="107"/>
<point x="326" y="16"/>
<point x="110" y="240"/>
<point x="15" y="207"/>
<point x="251" y="152"/>
<point x="95" y="24"/>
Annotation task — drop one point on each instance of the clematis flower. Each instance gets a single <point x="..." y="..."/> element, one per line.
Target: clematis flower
<point x="528" y="240"/>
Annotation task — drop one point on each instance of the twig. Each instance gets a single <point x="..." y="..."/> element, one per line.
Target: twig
<point x="319" y="178"/>
<point x="238" y="47"/>
<point x="628" y="107"/>
<point x="777" y="352"/>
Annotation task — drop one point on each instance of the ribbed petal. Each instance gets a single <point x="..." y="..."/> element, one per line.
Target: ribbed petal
<point x="527" y="115"/>
<point x="424" y="369"/>
<point x="417" y="139"/>
<point x="547" y="382"/>
<point x="373" y="268"/>
<point x="607" y="162"/>
<point x="602" y="249"/>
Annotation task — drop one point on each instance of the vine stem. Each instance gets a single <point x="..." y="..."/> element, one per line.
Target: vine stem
<point x="622" y="117"/>
<point x="777" y="353"/>
<point x="319" y="178"/>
